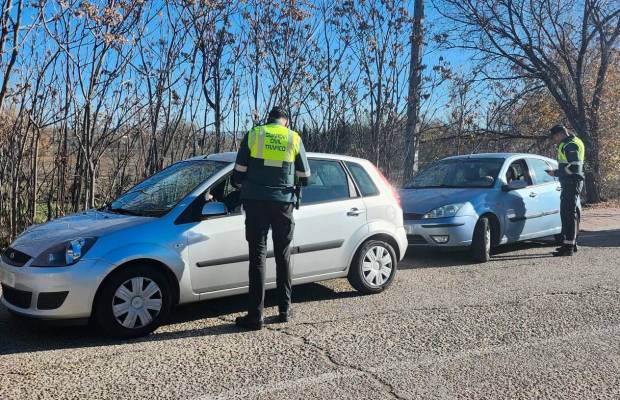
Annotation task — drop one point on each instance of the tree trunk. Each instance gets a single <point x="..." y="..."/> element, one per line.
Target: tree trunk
<point x="34" y="176"/>
<point x="412" y="134"/>
<point x="592" y="165"/>
<point x="592" y="169"/>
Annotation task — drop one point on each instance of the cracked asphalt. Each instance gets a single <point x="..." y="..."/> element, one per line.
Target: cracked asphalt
<point x="523" y="326"/>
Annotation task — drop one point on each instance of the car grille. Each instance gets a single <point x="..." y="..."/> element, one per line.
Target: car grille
<point x="412" y="216"/>
<point x="15" y="257"/>
<point x="18" y="298"/>
<point x="416" y="239"/>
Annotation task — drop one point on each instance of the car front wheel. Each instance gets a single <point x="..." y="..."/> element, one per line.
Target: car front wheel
<point x="133" y="302"/>
<point x="481" y="242"/>
<point x="373" y="267"/>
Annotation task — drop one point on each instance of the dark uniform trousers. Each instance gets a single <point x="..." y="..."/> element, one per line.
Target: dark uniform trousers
<point x="571" y="189"/>
<point x="259" y="217"/>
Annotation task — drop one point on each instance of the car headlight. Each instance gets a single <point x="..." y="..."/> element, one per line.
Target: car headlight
<point x="64" y="254"/>
<point x="449" y="210"/>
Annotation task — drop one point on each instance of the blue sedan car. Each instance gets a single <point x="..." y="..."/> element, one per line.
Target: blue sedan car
<point x="480" y="201"/>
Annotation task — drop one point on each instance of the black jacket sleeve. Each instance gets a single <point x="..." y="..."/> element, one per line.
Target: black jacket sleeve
<point x="572" y="155"/>
<point x="241" y="164"/>
<point x="302" y="168"/>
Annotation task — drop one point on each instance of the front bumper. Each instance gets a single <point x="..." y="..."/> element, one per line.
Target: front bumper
<point x="459" y="230"/>
<point x="52" y="293"/>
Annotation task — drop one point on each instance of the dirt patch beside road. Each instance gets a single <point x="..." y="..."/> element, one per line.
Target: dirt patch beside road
<point x="600" y="218"/>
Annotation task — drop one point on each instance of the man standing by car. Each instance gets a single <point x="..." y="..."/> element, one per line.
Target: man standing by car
<point x="571" y="154"/>
<point x="271" y="158"/>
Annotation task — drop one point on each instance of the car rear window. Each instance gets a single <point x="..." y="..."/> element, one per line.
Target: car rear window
<point x="328" y="182"/>
<point x="365" y="184"/>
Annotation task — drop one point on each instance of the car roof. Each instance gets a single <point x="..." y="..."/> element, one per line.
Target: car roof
<point x="496" y="155"/>
<point x="487" y="155"/>
<point x="231" y="156"/>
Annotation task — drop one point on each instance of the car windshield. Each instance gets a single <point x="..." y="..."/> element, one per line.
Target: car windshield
<point x="157" y="195"/>
<point x="458" y="173"/>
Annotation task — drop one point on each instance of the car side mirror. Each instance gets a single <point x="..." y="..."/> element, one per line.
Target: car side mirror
<point x="213" y="209"/>
<point x="515" y="185"/>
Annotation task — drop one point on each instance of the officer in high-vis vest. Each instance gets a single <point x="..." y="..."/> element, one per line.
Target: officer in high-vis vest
<point x="571" y="154"/>
<point x="271" y="161"/>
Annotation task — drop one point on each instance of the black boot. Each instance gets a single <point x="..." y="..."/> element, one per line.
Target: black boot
<point x="575" y="248"/>
<point x="564" y="251"/>
<point x="246" y="322"/>
<point x="285" y="315"/>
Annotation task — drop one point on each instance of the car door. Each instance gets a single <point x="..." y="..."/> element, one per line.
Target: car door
<point x="522" y="206"/>
<point x="548" y="189"/>
<point x="330" y="214"/>
<point x="217" y="249"/>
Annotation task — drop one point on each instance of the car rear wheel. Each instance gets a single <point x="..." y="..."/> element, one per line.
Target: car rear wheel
<point x="481" y="243"/>
<point x="374" y="267"/>
<point x="133" y="302"/>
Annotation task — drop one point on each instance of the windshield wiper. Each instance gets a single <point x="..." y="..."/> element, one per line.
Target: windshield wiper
<point x="122" y="211"/>
<point x="426" y="187"/>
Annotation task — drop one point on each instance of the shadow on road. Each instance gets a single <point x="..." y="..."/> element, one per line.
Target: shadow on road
<point x="437" y="258"/>
<point x="20" y="336"/>
<point x="609" y="238"/>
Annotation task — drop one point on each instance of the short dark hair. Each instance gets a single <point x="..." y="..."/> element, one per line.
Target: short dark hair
<point x="276" y="113"/>
<point x="558" y="129"/>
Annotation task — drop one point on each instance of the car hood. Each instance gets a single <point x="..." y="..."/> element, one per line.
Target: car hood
<point x="91" y="223"/>
<point x="421" y="201"/>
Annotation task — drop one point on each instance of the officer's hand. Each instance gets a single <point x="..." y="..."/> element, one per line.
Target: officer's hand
<point x="550" y="172"/>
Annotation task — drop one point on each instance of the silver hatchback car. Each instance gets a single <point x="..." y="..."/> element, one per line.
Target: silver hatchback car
<point x="179" y="237"/>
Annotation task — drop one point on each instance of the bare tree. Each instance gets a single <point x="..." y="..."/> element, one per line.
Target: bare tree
<point x="11" y="21"/>
<point x="553" y="42"/>
<point x="412" y="132"/>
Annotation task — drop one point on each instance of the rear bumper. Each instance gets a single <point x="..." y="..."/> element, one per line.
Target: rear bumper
<point x="427" y="232"/>
<point x="52" y="293"/>
<point x="401" y="237"/>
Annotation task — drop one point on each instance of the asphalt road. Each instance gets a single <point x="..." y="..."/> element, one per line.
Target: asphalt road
<point x="523" y="326"/>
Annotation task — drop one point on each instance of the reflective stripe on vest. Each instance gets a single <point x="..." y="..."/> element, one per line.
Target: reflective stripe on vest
<point x="581" y="151"/>
<point x="273" y="145"/>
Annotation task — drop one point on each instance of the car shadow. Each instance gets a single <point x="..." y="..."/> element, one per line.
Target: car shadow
<point x="23" y="335"/>
<point x="417" y="258"/>
<point x="420" y="258"/>
<point x="602" y="238"/>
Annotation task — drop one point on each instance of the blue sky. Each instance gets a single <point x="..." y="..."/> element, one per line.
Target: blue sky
<point x="458" y="59"/>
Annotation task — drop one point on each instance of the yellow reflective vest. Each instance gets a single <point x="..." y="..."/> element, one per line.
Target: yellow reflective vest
<point x="571" y="155"/>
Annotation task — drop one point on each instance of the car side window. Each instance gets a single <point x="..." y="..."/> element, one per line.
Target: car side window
<point x="518" y="170"/>
<point x="539" y="168"/>
<point x="366" y="186"/>
<point x="328" y="182"/>
<point x="225" y="192"/>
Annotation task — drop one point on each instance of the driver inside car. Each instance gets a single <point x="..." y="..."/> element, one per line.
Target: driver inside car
<point x="232" y="200"/>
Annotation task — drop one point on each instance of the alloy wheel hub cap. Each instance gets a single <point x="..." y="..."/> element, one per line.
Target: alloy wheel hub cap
<point x="377" y="266"/>
<point x="137" y="302"/>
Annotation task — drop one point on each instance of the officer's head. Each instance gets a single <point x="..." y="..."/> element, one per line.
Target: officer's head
<point x="277" y="115"/>
<point x="558" y="133"/>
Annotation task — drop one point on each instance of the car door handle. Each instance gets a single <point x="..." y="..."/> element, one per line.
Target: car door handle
<point x="559" y="188"/>
<point x="533" y="194"/>
<point x="354" y="212"/>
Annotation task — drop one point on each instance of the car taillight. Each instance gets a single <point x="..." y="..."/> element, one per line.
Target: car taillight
<point x="393" y="191"/>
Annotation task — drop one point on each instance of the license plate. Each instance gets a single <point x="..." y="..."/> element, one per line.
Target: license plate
<point x="8" y="278"/>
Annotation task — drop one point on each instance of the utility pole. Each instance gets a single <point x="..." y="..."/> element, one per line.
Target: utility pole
<point x="412" y="130"/>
